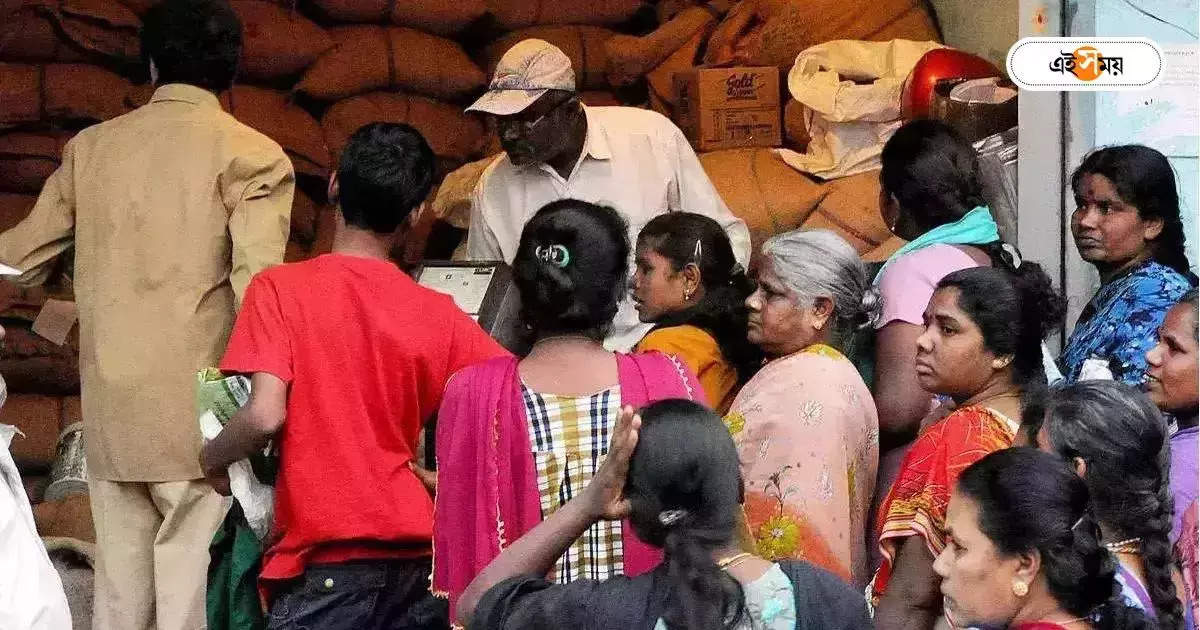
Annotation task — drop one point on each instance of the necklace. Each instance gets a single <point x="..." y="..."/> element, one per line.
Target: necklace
<point x="1129" y="545"/>
<point x="725" y="563"/>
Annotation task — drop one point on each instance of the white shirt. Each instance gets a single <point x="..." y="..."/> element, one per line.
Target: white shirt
<point x="634" y="160"/>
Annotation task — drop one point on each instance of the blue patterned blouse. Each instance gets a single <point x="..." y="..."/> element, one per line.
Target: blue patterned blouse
<point x="1121" y="322"/>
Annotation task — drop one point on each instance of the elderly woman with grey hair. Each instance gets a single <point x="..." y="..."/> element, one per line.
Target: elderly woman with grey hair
<point x="805" y="425"/>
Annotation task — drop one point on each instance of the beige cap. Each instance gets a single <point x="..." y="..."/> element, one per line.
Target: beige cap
<point x="526" y="72"/>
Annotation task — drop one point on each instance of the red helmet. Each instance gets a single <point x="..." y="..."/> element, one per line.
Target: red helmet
<point x="942" y="63"/>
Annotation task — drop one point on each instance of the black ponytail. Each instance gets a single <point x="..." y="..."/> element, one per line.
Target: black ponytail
<point x="1014" y="309"/>
<point x="571" y="267"/>
<point x="685" y="496"/>
<point x="1032" y="500"/>
<point x="684" y="237"/>
<point x="1122" y="437"/>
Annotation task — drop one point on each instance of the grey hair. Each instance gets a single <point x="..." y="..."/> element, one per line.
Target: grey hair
<point x="816" y="264"/>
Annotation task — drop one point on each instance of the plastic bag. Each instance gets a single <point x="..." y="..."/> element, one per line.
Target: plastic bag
<point x="850" y="92"/>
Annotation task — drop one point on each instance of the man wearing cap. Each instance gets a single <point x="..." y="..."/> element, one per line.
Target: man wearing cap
<point x="556" y="148"/>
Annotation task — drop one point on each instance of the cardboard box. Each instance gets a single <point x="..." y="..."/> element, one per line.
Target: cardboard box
<point x="729" y="108"/>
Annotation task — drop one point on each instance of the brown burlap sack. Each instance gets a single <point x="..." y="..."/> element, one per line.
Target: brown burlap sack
<point x="277" y="42"/>
<point x="275" y="115"/>
<point x="442" y="17"/>
<point x="795" y="129"/>
<point x="772" y="197"/>
<point x="773" y="32"/>
<point x="304" y="219"/>
<point x="515" y="14"/>
<point x="37" y="417"/>
<point x="583" y="44"/>
<point x="69" y="30"/>
<point x="28" y="158"/>
<point x="35" y="487"/>
<point x="452" y="203"/>
<point x="69" y="517"/>
<point x="13" y="209"/>
<point x="60" y="91"/>
<point x="451" y="133"/>
<point x="367" y="58"/>
<point x="630" y="58"/>
<point x="661" y="80"/>
<point x="850" y="207"/>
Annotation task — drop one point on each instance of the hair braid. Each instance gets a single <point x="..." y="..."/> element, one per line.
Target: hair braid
<point x="1157" y="559"/>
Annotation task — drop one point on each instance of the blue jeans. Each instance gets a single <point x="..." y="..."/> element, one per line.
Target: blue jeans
<point x="361" y="595"/>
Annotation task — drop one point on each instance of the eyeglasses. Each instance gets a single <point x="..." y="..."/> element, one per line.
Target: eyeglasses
<point x="527" y="126"/>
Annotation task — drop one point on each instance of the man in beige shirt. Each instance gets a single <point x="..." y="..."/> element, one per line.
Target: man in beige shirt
<point x="171" y="209"/>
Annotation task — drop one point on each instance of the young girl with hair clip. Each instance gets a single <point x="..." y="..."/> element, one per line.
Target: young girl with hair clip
<point x="687" y="282"/>
<point x="517" y="438"/>
<point x="1117" y="441"/>
<point x="673" y="471"/>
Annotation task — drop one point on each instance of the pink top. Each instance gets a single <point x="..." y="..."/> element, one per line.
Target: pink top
<point x="909" y="282"/>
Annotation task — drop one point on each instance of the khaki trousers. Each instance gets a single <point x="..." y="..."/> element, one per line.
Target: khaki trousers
<point x="152" y="553"/>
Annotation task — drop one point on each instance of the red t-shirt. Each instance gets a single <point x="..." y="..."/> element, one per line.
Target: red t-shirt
<point x="367" y="353"/>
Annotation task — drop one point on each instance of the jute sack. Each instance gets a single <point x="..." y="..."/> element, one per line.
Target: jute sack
<point x="515" y="14"/>
<point x="452" y="203"/>
<point x="451" y="133"/>
<point x="367" y="58"/>
<point x="442" y="17"/>
<point x="61" y="91"/>
<point x="772" y="197"/>
<point x="277" y="42"/>
<point x="661" y="80"/>
<point x="583" y="44"/>
<point x="28" y="158"/>
<point x="13" y="209"/>
<point x="774" y="32"/>
<point x="69" y="30"/>
<point x="630" y="58"/>
<point x="275" y="115"/>
<point x="37" y="417"/>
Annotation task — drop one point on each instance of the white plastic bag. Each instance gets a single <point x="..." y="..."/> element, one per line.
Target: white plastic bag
<point x="851" y="92"/>
<point x="31" y="592"/>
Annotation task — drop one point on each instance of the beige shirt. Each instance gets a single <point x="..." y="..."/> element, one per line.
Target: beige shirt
<point x="634" y="160"/>
<point x="171" y="208"/>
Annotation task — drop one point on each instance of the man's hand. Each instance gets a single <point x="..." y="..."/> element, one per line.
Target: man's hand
<point x="216" y="476"/>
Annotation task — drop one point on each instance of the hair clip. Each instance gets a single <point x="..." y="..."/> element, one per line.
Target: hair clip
<point x="1013" y="255"/>
<point x="671" y="517"/>
<point x="556" y="255"/>
<point x="697" y="252"/>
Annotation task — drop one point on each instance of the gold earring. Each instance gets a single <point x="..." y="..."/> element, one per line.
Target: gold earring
<point x="1000" y="364"/>
<point x="1019" y="588"/>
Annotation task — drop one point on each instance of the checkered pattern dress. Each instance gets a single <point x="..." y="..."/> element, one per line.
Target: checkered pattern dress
<point x="570" y="437"/>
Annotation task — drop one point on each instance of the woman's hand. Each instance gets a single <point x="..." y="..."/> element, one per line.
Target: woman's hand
<point x="605" y="495"/>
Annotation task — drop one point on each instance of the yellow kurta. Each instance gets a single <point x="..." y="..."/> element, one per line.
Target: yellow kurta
<point x="699" y="351"/>
<point x="171" y="208"/>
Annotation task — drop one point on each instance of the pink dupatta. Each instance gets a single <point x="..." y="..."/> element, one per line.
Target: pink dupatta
<point x="483" y="446"/>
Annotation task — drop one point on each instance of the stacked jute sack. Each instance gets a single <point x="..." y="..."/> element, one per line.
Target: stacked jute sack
<point x="314" y="71"/>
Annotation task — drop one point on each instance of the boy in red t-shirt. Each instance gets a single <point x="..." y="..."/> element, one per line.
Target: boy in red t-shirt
<point x="348" y="358"/>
